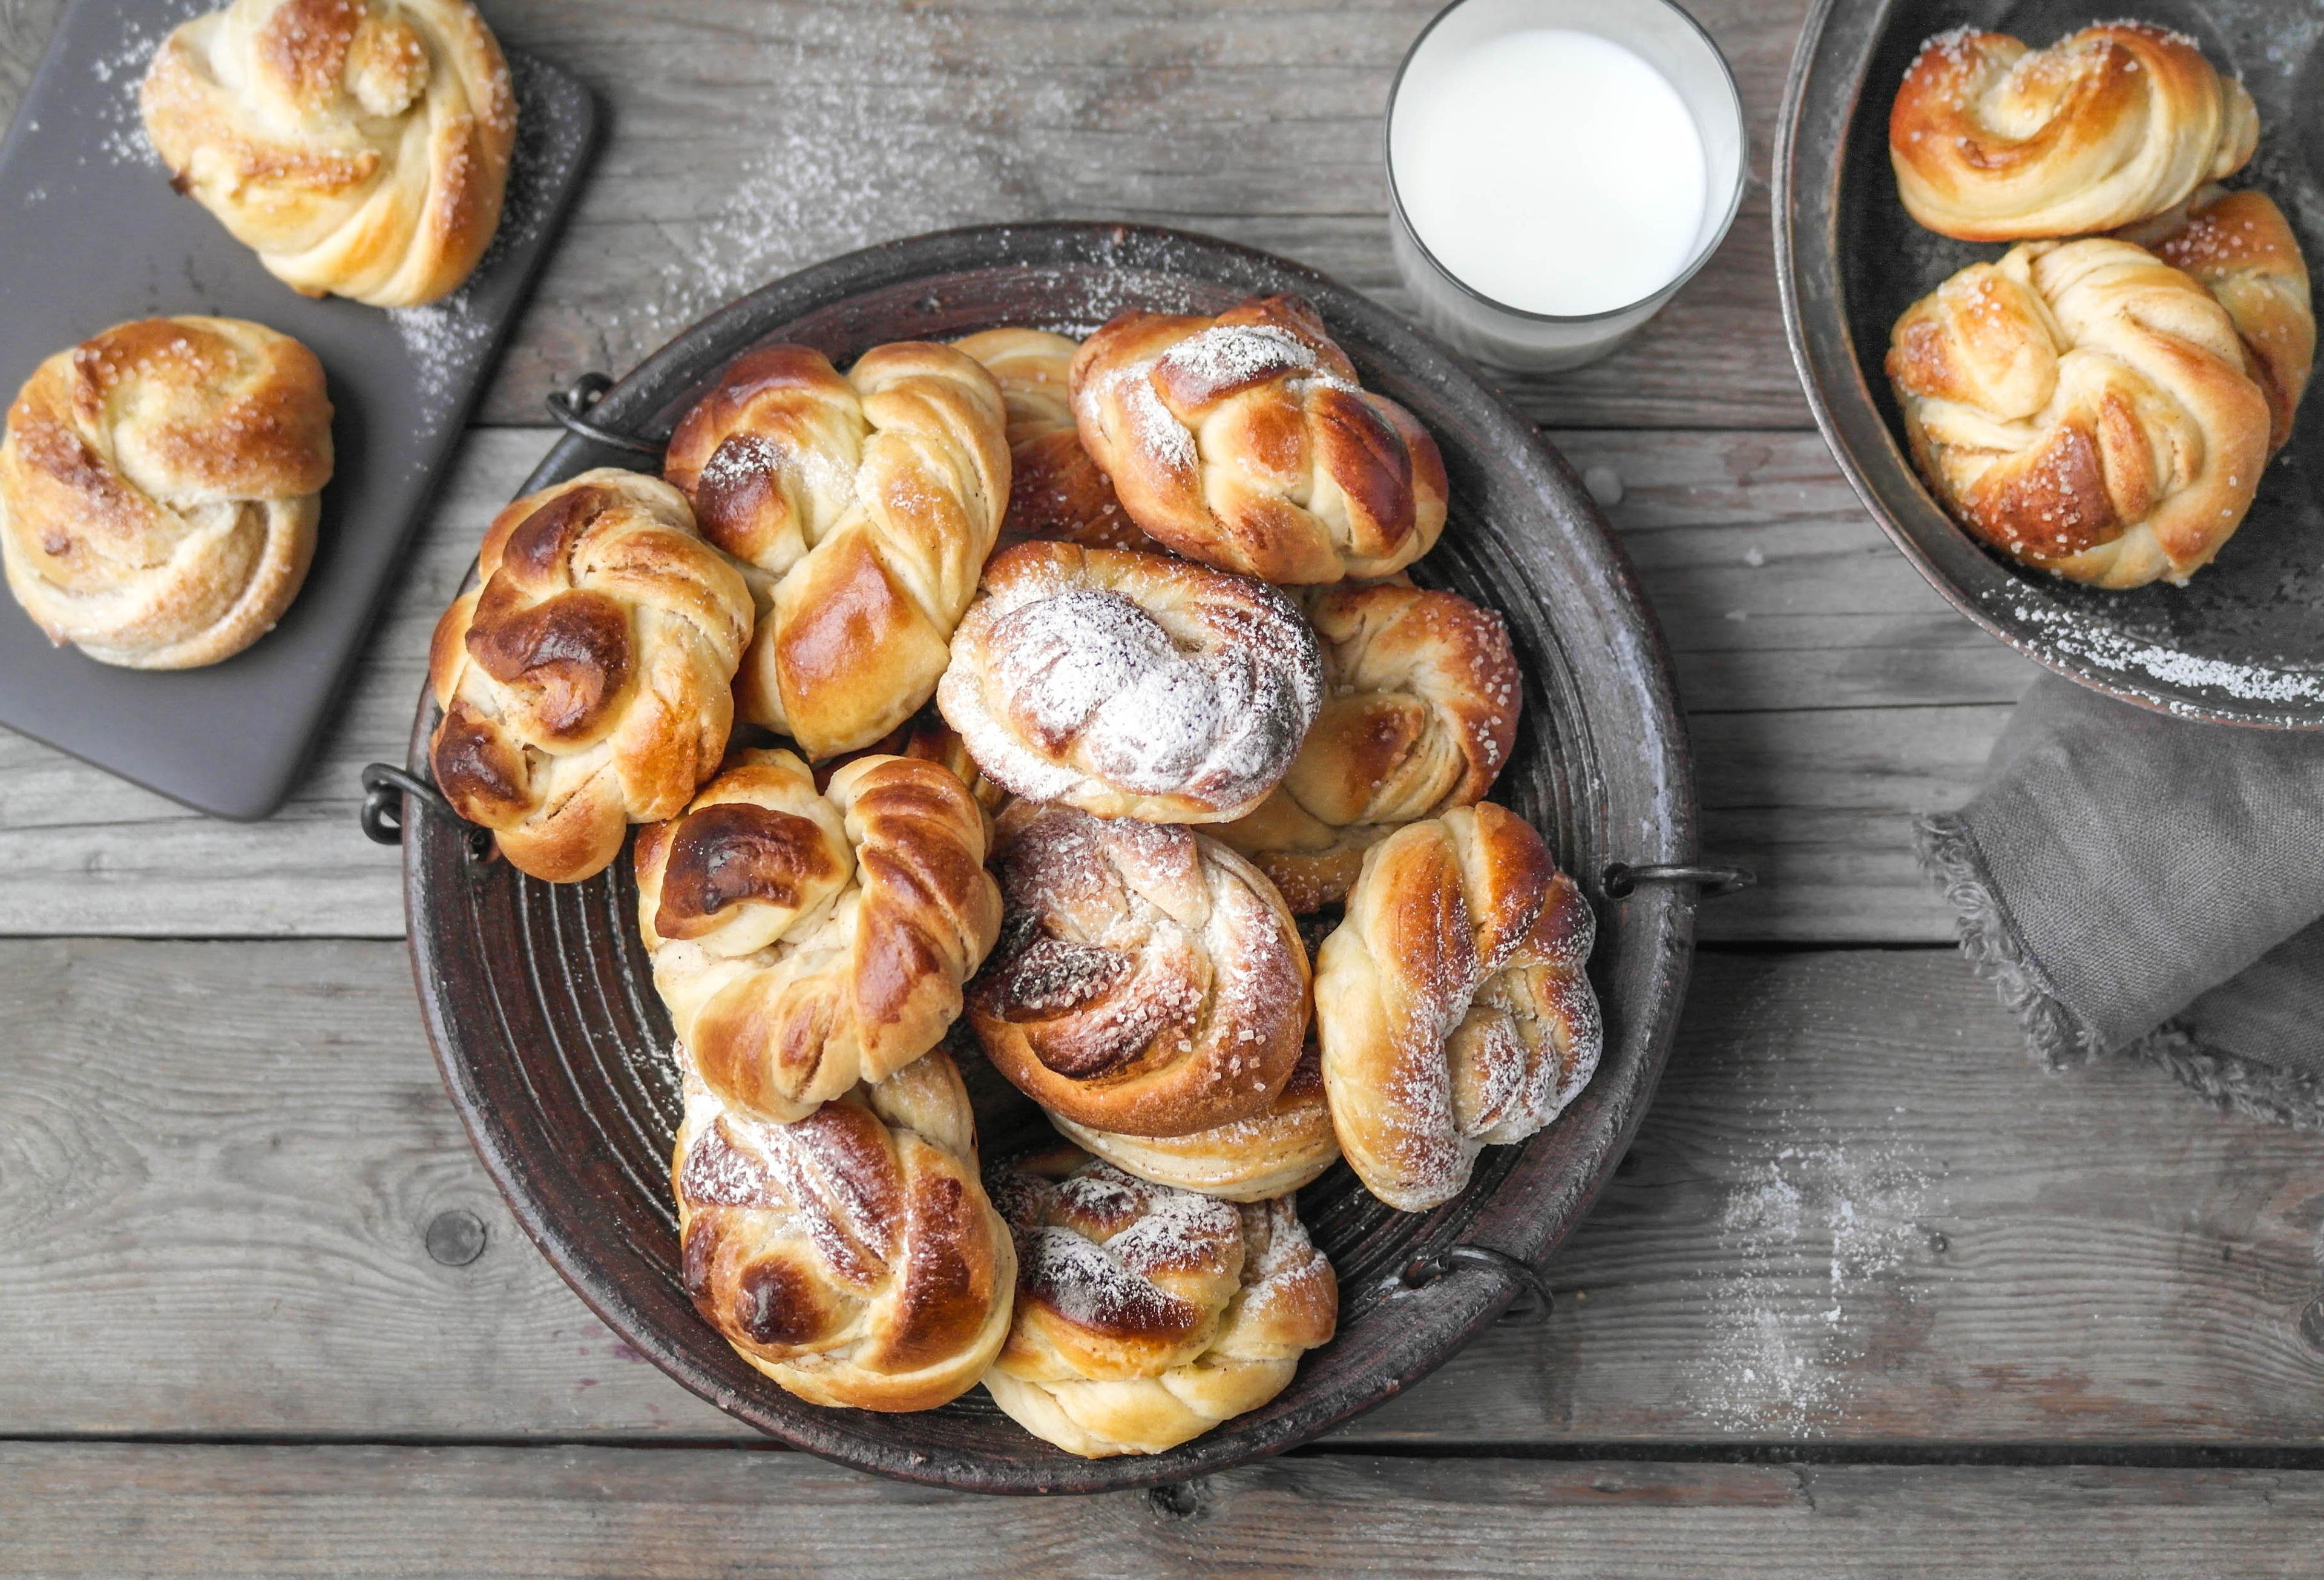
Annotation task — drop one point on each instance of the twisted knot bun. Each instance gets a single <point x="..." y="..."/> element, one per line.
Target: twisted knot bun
<point x="861" y="509"/>
<point x="359" y="147"/>
<point x="1269" y="1153"/>
<point x="805" y="941"/>
<point x="854" y="1257"/>
<point x="1146" y="1316"/>
<point x="1993" y="141"/>
<point x="1454" y="1004"/>
<point x="160" y="487"/>
<point x="585" y="679"/>
<point x="1245" y="441"/>
<point x="1420" y="711"/>
<point x="1151" y="981"/>
<point x="2239" y="247"/>
<point x="1130" y="685"/>
<point x="2084" y="407"/>
<point x="1056" y="490"/>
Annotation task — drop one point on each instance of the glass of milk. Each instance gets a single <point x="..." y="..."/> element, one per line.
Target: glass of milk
<point x="1557" y="169"/>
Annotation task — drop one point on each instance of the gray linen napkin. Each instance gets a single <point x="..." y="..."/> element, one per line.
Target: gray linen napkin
<point x="2146" y="885"/>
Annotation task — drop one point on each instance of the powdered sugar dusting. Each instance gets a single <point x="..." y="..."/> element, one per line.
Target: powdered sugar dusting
<point x="1092" y="1245"/>
<point x="2122" y="653"/>
<point x="447" y="341"/>
<point x="120" y="74"/>
<point x="1230" y="356"/>
<point x="1154" y="426"/>
<point x="1055" y="687"/>
<point x="1809" y="1237"/>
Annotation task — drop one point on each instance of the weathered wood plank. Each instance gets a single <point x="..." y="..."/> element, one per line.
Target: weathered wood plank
<point x="751" y="139"/>
<point x="1773" y="587"/>
<point x="106" y="1509"/>
<point x="1844" y="698"/>
<point x="1856" y="1213"/>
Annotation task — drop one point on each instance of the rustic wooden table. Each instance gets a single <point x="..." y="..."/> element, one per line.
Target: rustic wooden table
<point x="1871" y="1295"/>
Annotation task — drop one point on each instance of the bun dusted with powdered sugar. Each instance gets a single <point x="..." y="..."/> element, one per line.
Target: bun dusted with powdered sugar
<point x="1130" y="685"/>
<point x="1245" y="441"/>
<point x="1148" y="980"/>
<point x="1146" y="1316"/>
<point x="1452" y="1005"/>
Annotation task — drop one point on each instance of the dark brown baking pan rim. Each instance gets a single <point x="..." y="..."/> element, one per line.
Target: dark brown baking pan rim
<point x="1633" y="776"/>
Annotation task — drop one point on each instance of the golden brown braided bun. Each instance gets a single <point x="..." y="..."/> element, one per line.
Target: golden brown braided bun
<point x="1146" y="1316"/>
<point x="1130" y="685"/>
<point x="1271" y="1154"/>
<point x="1993" y="141"/>
<point x="1056" y="490"/>
<point x="854" y="1257"/>
<point x="1454" y="1004"/>
<point x="1420" y="709"/>
<point x="926" y="735"/>
<point x="861" y="509"/>
<point x="1245" y="441"/>
<point x="160" y="487"/>
<point x="1151" y="981"/>
<point x="805" y="940"/>
<point x="585" y="679"/>
<point x="359" y="147"/>
<point x="2084" y="407"/>
<point x="2239" y="247"/>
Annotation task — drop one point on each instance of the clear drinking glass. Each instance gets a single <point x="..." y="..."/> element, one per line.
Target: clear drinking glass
<point x="1668" y="39"/>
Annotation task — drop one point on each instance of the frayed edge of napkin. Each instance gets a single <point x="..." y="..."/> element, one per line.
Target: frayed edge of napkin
<point x="2056" y="1036"/>
<point x="1988" y="937"/>
<point x="2227" y="1080"/>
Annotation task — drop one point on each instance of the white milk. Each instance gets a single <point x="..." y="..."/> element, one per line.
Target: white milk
<point x="1551" y="170"/>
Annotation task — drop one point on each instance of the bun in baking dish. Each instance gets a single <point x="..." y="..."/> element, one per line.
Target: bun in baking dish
<point x="587" y="678"/>
<point x="1421" y="694"/>
<point x="359" y="147"/>
<point x="2083" y="407"/>
<point x="1149" y="981"/>
<point x="160" y="487"/>
<point x="1130" y="685"/>
<point x="1056" y="490"/>
<point x="1247" y="442"/>
<point x="853" y="1256"/>
<point x="805" y="940"/>
<point x="2239" y="247"/>
<point x="1453" y="1004"/>
<point x="1268" y="1154"/>
<point x="860" y="508"/>
<point x="1991" y="140"/>
<point x="1146" y="1316"/>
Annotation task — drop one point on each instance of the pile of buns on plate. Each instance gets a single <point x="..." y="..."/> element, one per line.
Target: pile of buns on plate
<point x="1188" y="712"/>
<point x="2100" y="401"/>
<point x="160" y="483"/>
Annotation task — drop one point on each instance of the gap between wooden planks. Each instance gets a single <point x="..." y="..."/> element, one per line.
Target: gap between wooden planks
<point x="1833" y="694"/>
<point x="1855" y="1214"/>
<point x="636" y="1514"/>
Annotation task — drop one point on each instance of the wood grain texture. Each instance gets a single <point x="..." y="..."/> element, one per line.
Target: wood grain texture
<point x="753" y="137"/>
<point x="1803" y="772"/>
<point x="638" y="1514"/>
<point x="1856" y="1213"/>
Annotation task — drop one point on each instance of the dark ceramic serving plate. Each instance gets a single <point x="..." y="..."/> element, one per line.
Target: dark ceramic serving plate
<point x="540" y="1004"/>
<point x="2243" y="642"/>
<point x="90" y="235"/>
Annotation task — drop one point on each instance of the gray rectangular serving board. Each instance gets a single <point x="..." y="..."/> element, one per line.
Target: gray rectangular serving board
<point x="91" y="235"/>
